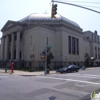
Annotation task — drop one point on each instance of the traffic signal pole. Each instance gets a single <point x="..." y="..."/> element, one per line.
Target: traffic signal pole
<point x="46" y="56"/>
<point x="53" y="10"/>
<point x="75" y="5"/>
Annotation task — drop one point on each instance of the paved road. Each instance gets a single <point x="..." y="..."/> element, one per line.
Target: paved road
<point x="71" y="86"/>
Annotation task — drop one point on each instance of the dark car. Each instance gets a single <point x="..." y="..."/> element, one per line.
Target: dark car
<point x="68" y="69"/>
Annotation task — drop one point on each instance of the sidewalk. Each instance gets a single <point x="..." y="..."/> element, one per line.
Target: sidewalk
<point x="25" y="73"/>
<point x="32" y="73"/>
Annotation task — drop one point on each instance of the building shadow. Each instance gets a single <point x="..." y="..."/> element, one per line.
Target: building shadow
<point x="52" y="98"/>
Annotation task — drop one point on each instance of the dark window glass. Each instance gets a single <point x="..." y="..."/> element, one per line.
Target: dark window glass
<point x="21" y="36"/>
<point x="96" y="55"/>
<point x="77" y="46"/>
<point x="69" y="44"/>
<point x="98" y="50"/>
<point x="95" y="49"/>
<point x="73" y="45"/>
<point x="20" y="55"/>
<point x="14" y="54"/>
<point x="70" y="66"/>
<point x="15" y="37"/>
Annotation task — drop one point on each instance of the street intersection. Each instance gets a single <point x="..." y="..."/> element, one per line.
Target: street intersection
<point x="68" y="86"/>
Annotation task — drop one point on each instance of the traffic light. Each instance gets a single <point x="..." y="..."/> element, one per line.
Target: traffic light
<point x="43" y="57"/>
<point x="54" y="10"/>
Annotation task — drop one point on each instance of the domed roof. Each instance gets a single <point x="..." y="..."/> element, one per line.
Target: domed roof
<point x="45" y="17"/>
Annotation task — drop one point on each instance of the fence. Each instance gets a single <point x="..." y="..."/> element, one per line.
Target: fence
<point x="40" y="65"/>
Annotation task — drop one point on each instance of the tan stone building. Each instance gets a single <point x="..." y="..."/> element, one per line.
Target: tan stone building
<point x="65" y="36"/>
<point x="0" y="51"/>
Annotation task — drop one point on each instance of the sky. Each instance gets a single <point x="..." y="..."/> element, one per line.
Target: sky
<point x="17" y="9"/>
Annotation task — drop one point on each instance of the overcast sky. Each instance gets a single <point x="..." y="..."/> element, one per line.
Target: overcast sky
<point x="17" y="9"/>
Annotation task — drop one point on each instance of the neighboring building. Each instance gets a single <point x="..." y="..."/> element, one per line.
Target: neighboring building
<point x="0" y="51"/>
<point x="65" y="36"/>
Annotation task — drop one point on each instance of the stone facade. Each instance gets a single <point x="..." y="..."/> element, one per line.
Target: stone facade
<point x="65" y="36"/>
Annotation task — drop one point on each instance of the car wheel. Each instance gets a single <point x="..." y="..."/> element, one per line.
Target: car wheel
<point x="76" y="70"/>
<point x="61" y="72"/>
<point x="69" y="71"/>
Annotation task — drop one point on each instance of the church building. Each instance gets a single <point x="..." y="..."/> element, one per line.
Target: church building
<point x="66" y="38"/>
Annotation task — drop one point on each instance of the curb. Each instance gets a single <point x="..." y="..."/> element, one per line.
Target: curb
<point x="24" y="73"/>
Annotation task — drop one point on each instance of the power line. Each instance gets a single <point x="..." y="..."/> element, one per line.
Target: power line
<point x="85" y="5"/>
<point x="90" y="6"/>
<point x="77" y="6"/>
<point x="84" y="2"/>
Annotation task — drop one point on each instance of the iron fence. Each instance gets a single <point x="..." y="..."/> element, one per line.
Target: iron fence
<point x="40" y="65"/>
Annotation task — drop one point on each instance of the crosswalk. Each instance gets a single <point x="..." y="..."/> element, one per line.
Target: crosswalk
<point x="8" y="76"/>
<point x="82" y="78"/>
<point x="79" y="75"/>
<point x="85" y="75"/>
<point x="88" y="82"/>
<point x="4" y="76"/>
<point x="75" y="84"/>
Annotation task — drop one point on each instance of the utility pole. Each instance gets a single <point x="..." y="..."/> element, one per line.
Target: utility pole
<point x="76" y="6"/>
<point x="46" y="56"/>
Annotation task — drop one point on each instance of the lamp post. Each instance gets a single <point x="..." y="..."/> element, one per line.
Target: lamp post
<point x="32" y="58"/>
<point x="45" y="72"/>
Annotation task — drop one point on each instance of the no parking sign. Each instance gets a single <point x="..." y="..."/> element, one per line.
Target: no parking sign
<point x="66" y="57"/>
<point x="32" y="57"/>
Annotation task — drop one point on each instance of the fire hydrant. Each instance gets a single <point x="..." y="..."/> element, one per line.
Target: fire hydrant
<point x="12" y="67"/>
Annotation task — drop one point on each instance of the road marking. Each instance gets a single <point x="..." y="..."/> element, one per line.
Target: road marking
<point x="70" y="80"/>
<point x="6" y="76"/>
<point x="71" y="74"/>
<point x="3" y="76"/>
<point x="92" y="75"/>
<point x="82" y="75"/>
<point x="87" y="76"/>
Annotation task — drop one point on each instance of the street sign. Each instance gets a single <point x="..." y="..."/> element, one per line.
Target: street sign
<point x="66" y="57"/>
<point x="31" y="57"/>
<point x="49" y="46"/>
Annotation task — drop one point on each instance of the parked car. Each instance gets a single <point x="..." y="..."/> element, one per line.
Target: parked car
<point x="68" y="69"/>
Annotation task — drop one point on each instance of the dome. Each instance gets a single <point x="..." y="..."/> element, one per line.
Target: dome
<point x="48" y="17"/>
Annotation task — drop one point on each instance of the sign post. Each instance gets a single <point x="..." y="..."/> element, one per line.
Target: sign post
<point x="45" y="72"/>
<point x="32" y="57"/>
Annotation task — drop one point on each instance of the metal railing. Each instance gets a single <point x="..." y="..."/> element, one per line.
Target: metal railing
<point x="40" y="65"/>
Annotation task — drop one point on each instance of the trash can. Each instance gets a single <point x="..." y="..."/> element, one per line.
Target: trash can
<point x="48" y="71"/>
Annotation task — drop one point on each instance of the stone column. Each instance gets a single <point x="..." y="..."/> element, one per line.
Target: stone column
<point x="12" y="46"/>
<point x="18" y="46"/>
<point x="2" y="47"/>
<point x="6" y="47"/>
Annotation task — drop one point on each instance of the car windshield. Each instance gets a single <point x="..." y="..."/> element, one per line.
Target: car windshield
<point x="74" y="66"/>
<point x="65" y="67"/>
<point x="70" y="66"/>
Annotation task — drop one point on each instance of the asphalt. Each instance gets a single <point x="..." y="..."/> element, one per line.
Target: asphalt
<point x="17" y="72"/>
